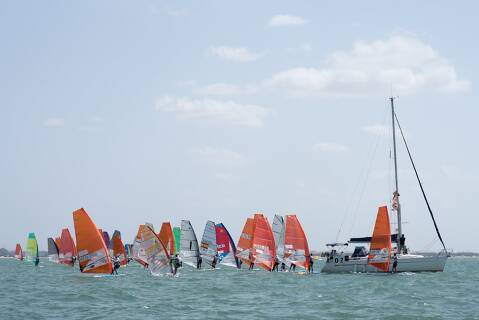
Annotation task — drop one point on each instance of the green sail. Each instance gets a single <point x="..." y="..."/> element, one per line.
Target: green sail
<point x="32" y="249"/>
<point x="177" y="235"/>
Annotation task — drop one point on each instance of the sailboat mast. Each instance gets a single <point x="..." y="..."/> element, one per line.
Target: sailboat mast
<point x="399" y="236"/>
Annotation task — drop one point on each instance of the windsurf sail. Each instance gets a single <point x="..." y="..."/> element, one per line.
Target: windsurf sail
<point x="119" y="248"/>
<point x="137" y="252"/>
<point x="380" y="248"/>
<point x="226" y="247"/>
<point x="106" y="239"/>
<point x="166" y="237"/>
<point x="189" y="251"/>
<point x="18" y="252"/>
<point x="93" y="254"/>
<point x="68" y="248"/>
<point x="156" y="254"/>
<point x="53" y="253"/>
<point x="177" y="236"/>
<point x="296" y="249"/>
<point x="32" y="249"/>
<point x="278" y="232"/>
<point x="264" y="248"/>
<point x="244" y="249"/>
<point x="208" y="248"/>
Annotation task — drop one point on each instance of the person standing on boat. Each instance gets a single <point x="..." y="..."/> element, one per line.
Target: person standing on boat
<point x="395" y="263"/>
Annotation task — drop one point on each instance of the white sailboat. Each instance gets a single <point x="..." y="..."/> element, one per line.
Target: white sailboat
<point x="339" y="260"/>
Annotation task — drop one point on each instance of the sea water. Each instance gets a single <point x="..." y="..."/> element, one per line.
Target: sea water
<point x="52" y="291"/>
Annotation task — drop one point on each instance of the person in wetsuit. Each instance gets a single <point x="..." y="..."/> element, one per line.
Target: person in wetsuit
<point x="395" y="263"/>
<point x="213" y="263"/>
<point x="292" y="266"/>
<point x="198" y="263"/>
<point x="116" y="265"/>
<point x="276" y="264"/>
<point x="283" y="266"/>
<point x="311" y="263"/>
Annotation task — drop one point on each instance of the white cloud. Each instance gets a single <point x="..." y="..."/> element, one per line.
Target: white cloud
<point x="225" y="89"/>
<point x="330" y="147"/>
<point x="286" y="20"/>
<point x="217" y="157"/>
<point x="369" y="68"/>
<point x="234" y="54"/>
<point x="378" y="130"/>
<point x="54" y="122"/>
<point x="247" y="115"/>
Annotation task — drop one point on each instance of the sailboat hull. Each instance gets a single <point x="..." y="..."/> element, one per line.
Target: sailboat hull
<point x="406" y="263"/>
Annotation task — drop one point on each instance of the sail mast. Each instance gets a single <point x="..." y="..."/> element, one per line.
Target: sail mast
<point x="398" y="209"/>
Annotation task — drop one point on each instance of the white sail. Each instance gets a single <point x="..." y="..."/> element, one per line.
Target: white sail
<point x="189" y="252"/>
<point x="208" y="248"/>
<point x="156" y="254"/>
<point x="278" y="233"/>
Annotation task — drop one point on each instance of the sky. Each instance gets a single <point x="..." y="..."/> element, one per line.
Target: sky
<point x="167" y="110"/>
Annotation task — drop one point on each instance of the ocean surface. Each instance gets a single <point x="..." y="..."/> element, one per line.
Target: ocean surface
<point x="52" y="291"/>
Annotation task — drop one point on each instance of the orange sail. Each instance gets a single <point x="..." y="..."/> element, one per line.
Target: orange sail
<point x="245" y="244"/>
<point x="68" y="248"/>
<point x="119" y="249"/>
<point x="93" y="254"/>
<point x="380" y="249"/>
<point x="264" y="247"/>
<point x="296" y="249"/>
<point x="18" y="252"/>
<point x="167" y="238"/>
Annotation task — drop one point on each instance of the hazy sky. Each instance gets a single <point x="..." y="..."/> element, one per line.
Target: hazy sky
<point x="151" y="111"/>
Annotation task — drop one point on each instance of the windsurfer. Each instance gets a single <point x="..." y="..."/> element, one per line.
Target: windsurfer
<point x="283" y="266"/>
<point x="213" y="263"/>
<point x="292" y="266"/>
<point x="251" y="264"/>
<point x="116" y="265"/>
<point x="276" y="264"/>
<point x="395" y="263"/>
<point x="174" y="264"/>
<point x="198" y="263"/>
<point x="311" y="263"/>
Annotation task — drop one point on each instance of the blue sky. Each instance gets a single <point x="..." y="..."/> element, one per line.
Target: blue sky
<point x="151" y="111"/>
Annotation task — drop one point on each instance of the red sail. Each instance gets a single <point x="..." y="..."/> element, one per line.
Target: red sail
<point x="244" y="250"/>
<point x="18" y="252"/>
<point x="380" y="249"/>
<point x="93" y="254"/>
<point x="264" y="247"/>
<point x="167" y="238"/>
<point x="68" y="248"/>
<point x="296" y="248"/>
